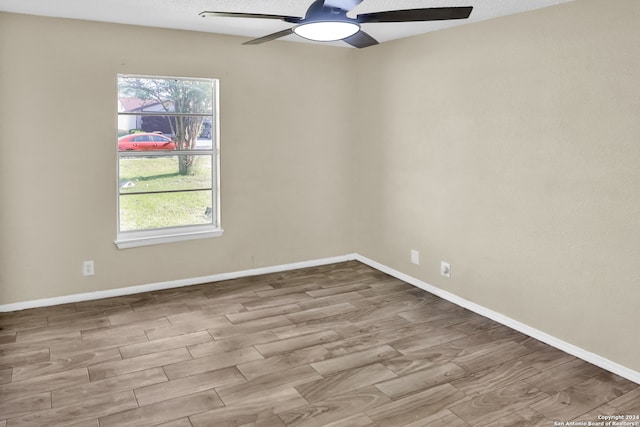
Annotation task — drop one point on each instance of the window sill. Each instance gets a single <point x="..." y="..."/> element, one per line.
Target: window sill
<point x="136" y="240"/>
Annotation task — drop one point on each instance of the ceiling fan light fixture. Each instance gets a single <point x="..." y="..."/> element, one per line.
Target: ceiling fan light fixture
<point x="326" y="31"/>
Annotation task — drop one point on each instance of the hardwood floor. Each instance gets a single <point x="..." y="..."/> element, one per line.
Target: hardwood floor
<point x="338" y="345"/>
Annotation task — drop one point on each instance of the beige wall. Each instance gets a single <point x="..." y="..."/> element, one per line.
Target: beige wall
<point x="285" y="134"/>
<point x="508" y="148"/>
<point x="511" y="149"/>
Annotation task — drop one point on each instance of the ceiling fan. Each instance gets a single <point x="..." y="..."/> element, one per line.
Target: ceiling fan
<point x="327" y="20"/>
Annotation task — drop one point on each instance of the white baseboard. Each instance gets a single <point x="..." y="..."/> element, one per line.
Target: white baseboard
<point x="88" y="296"/>
<point x="483" y="311"/>
<point x="578" y="352"/>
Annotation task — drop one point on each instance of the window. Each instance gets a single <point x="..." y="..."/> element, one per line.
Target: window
<point x="167" y="152"/>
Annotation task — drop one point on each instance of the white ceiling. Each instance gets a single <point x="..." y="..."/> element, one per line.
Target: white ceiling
<point x="183" y="14"/>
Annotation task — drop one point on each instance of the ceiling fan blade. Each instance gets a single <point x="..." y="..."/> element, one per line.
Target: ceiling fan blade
<point x="342" y="4"/>
<point x="417" y="15"/>
<point x="271" y="37"/>
<point x="207" y="13"/>
<point x="360" y="40"/>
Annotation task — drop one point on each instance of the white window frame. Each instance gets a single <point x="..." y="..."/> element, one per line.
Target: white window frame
<point x="136" y="238"/>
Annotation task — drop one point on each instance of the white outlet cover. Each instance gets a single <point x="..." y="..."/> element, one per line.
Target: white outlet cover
<point x="445" y="269"/>
<point x="88" y="268"/>
<point x="415" y="257"/>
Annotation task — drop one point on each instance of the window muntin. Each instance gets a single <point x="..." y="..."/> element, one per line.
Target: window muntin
<point x="167" y="159"/>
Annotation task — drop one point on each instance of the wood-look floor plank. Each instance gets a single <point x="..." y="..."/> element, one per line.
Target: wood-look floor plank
<point x="564" y="376"/>
<point x="339" y="291"/>
<point x="494" y="377"/>
<point x="78" y="360"/>
<point x="182" y="422"/>
<point x="233" y="343"/>
<point x="167" y="300"/>
<point x="101" y="388"/>
<point x="167" y="390"/>
<point x="490" y="356"/>
<point x="261" y="313"/>
<point x="214" y="362"/>
<point x="433" y="338"/>
<point x="5" y="375"/>
<point x="385" y="286"/>
<point x="583" y="397"/>
<point x="355" y="360"/>
<point x="443" y="418"/>
<point x="321" y="312"/>
<point x="546" y="358"/>
<point x="251" y="411"/>
<point x="17" y="358"/>
<point x="249" y="327"/>
<point x="284" y="361"/>
<point x="333" y="299"/>
<point x="345" y="381"/>
<point x="48" y="333"/>
<point x="285" y="290"/>
<point x="496" y="404"/>
<point x="265" y="384"/>
<point x="7" y="338"/>
<point x="34" y="313"/>
<point x="23" y="405"/>
<point x="93" y="422"/>
<point x="290" y="344"/>
<point x="335" y="409"/>
<point x="86" y="321"/>
<point x="628" y="403"/>
<point x="526" y="417"/>
<point x="214" y="313"/>
<point x="266" y="302"/>
<point x="120" y="335"/>
<point x="163" y="344"/>
<point x="110" y="369"/>
<point x="44" y="383"/>
<point x="475" y="325"/>
<point x="357" y="420"/>
<point x="13" y="324"/>
<point x="422" y="358"/>
<point x="116" y="303"/>
<point x="273" y="421"/>
<point x="372" y="327"/>
<point x="148" y="314"/>
<point x="420" y="380"/>
<point x="489" y="338"/>
<point x="296" y="330"/>
<point x="187" y="327"/>
<point x="168" y="410"/>
<point x="77" y="412"/>
<point x="381" y="310"/>
<point x="237" y="287"/>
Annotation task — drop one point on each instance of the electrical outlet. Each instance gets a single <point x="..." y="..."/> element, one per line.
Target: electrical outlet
<point x="445" y="269"/>
<point x="88" y="268"/>
<point x="415" y="257"/>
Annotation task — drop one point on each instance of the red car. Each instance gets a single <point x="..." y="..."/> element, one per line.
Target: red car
<point x="145" y="141"/>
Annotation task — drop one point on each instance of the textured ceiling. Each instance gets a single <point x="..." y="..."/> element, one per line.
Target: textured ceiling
<point x="183" y="14"/>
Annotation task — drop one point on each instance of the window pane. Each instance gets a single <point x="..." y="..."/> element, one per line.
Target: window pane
<point x="147" y="211"/>
<point x="139" y="94"/>
<point x="162" y="173"/>
<point x="145" y="142"/>
<point x="186" y="132"/>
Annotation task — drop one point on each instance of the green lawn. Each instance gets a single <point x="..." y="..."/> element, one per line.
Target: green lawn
<point x="149" y="174"/>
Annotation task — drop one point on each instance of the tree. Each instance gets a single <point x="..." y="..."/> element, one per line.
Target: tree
<point x="186" y="102"/>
